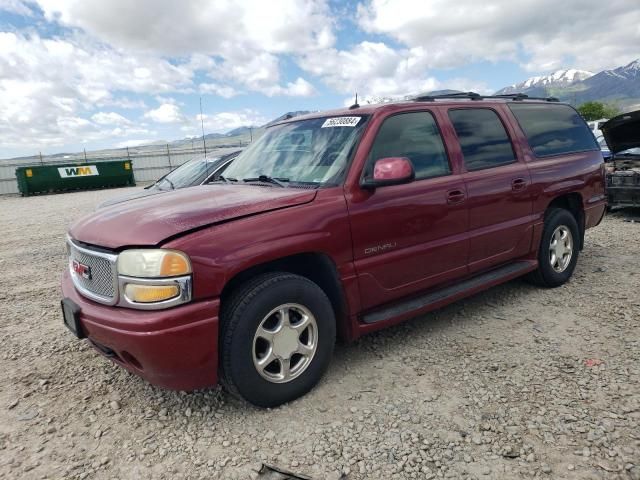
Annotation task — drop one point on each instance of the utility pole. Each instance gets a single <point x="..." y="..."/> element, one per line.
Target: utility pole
<point x="169" y="156"/>
<point x="250" y="134"/>
<point x="204" y="144"/>
<point x="41" y="161"/>
<point x="85" y="155"/>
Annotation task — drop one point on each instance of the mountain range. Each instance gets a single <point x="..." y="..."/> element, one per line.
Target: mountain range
<point x="244" y="130"/>
<point x="620" y="86"/>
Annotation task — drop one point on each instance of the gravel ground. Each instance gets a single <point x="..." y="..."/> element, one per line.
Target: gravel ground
<point x="516" y="382"/>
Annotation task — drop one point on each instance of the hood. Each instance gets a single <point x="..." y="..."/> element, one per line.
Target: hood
<point x="150" y="220"/>
<point x="131" y="196"/>
<point x="622" y="132"/>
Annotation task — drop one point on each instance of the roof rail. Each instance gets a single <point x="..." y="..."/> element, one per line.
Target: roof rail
<point x="476" y="96"/>
<point x="523" y="96"/>
<point x="431" y="98"/>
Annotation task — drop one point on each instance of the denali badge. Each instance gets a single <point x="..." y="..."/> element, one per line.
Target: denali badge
<point x="380" y="248"/>
<point x="83" y="270"/>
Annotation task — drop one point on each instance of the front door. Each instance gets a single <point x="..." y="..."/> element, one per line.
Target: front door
<point x="410" y="237"/>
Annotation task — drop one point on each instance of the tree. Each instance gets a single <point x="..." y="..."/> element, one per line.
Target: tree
<point x="597" y="110"/>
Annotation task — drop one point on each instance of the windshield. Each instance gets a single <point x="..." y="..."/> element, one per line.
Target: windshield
<point x="307" y="151"/>
<point x="190" y="173"/>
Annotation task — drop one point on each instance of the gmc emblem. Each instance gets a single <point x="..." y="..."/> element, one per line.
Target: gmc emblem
<point x="80" y="269"/>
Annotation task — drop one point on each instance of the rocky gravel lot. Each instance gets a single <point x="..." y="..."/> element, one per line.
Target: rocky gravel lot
<point x="516" y="382"/>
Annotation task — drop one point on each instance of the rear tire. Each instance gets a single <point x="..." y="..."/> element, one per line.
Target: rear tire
<point x="558" y="251"/>
<point x="276" y="340"/>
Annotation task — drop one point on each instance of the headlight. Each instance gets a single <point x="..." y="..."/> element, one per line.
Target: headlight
<point x="147" y="263"/>
<point x="152" y="279"/>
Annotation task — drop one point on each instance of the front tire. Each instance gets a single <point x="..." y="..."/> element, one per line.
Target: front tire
<point x="559" y="248"/>
<point x="277" y="337"/>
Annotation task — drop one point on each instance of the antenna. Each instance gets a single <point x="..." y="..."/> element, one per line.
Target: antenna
<point x="355" y="104"/>
<point x="204" y="144"/>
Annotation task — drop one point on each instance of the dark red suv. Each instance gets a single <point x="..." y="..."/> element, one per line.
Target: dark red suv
<point x="333" y="224"/>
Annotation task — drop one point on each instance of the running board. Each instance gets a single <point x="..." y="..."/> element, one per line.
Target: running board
<point x="512" y="270"/>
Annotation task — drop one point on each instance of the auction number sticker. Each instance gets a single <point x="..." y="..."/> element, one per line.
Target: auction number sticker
<point x="341" y="122"/>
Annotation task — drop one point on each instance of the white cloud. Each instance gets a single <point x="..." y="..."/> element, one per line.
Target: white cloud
<point x="110" y="118"/>
<point x="122" y="102"/>
<point x="104" y="55"/>
<point x="223" y="91"/>
<point x="224" y="121"/>
<point x="216" y="28"/>
<point x="371" y="69"/>
<point x="49" y="87"/>
<point x="549" y="33"/>
<point x="258" y="73"/>
<point x="245" y="37"/>
<point x="299" y="88"/>
<point x="438" y="35"/>
<point x="16" y="6"/>
<point x="166" y="113"/>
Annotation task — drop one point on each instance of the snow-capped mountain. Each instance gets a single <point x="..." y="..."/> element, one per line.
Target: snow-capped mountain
<point x="618" y="83"/>
<point x="620" y="86"/>
<point x="560" y="78"/>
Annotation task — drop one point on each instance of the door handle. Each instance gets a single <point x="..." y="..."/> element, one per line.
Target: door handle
<point x="518" y="184"/>
<point x="455" y="196"/>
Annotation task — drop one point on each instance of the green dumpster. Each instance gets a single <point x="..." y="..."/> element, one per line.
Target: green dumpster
<point x="63" y="178"/>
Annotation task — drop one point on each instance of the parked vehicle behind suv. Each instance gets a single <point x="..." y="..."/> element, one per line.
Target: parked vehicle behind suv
<point x="330" y="225"/>
<point x="622" y="134"/>
<point x="196" y="171"/>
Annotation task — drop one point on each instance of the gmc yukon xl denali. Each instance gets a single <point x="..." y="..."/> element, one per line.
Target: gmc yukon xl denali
<point x="330" y="226"/>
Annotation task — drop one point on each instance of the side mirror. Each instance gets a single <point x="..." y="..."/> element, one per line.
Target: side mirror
<point x="390" y="171"/>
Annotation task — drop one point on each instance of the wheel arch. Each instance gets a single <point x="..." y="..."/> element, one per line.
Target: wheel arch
<point x="572" y="202"/>
<point x="316" y="266"/>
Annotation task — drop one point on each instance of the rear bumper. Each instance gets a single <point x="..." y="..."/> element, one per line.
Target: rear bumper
<point x="175" y="348"/>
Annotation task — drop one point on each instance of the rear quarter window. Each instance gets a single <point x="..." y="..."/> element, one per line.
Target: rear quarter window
<point x="553" y="129"/>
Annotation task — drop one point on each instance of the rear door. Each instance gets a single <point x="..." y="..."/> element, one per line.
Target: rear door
<point x="409" y="237"/>
<point x="498" y="186"/>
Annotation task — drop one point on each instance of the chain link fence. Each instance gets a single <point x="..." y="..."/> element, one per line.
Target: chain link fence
<point x="149" y="163"/>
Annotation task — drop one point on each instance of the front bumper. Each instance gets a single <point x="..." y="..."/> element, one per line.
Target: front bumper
<point x="175" y="348"/>
<point x="623" y="189"/>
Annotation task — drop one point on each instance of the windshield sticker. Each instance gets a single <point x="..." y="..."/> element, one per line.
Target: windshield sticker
<point x="341" y="122"/>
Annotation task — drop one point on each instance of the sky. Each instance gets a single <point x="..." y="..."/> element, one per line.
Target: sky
<point x="98" y="74"/>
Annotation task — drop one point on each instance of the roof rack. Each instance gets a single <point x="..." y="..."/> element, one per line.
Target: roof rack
<point x="523" y="96"/>
<point x="431" y="98"/>
<point x="476" y="96"/>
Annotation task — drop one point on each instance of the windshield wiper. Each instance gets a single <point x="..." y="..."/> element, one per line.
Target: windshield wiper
<point x="225" y="179"/>
<point x="268" y="179"/>
<point x="166" y="179"/>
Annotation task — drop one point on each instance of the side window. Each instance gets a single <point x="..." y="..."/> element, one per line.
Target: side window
<point x="553" y="129"/>
<point x="415" y="136"/>
<point x="483" y="138"/>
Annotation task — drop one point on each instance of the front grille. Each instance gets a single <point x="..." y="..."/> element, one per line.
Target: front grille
<point x="624" y="179"/>
<point x="101" y="282"/>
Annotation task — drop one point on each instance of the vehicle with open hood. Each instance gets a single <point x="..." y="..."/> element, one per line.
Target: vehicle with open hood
<point x="333" y="224"/>
<point x="622" y="134"/>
